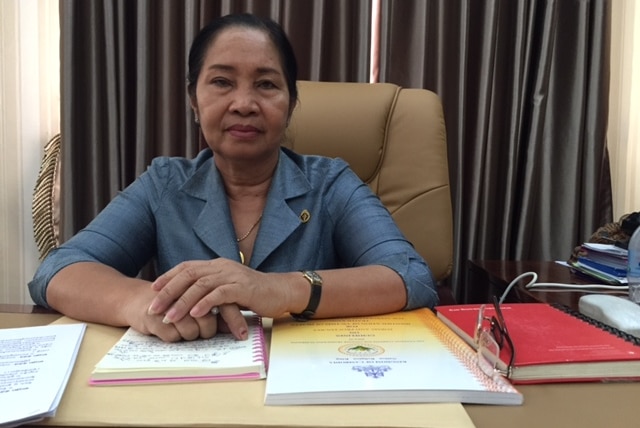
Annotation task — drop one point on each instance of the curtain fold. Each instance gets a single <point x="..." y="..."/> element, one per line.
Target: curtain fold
<point x="524" y="87"/>
<point x="123" y="97"/>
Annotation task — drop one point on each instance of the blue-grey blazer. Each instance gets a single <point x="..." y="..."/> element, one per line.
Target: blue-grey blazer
<point x="318" y="215"/>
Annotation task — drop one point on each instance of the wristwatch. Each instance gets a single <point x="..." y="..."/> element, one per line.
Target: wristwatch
<point x="315" y="281"/>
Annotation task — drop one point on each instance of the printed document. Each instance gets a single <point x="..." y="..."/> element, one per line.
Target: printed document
<point x="35" y="365"/>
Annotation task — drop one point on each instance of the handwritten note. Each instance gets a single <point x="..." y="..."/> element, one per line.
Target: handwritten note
<point x="138" y="358"/>
<point x="135" y="349"/>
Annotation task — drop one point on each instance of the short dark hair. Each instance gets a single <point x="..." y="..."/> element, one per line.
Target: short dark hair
<point x="207" y="35"/>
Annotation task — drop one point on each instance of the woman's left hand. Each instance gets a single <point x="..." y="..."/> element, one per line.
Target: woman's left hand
<point x="197" y="287"/>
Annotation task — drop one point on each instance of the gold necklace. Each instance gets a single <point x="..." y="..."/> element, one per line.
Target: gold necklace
<point x="250" y="230"/>
<point x="243" y="237"/>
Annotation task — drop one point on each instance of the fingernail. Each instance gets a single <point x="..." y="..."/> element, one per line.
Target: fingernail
<point x="169" y="316"/>
<point x="151" y="311"/>
<point x="243" y="334"/>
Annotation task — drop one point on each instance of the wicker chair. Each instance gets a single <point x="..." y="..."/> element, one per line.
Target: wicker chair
<point x="45" y="208"/>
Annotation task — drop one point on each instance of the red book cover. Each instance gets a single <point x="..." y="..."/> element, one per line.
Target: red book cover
<point x="553" y="344"/>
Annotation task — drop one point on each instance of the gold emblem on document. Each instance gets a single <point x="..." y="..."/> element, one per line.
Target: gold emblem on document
<point x="361" y="350"/>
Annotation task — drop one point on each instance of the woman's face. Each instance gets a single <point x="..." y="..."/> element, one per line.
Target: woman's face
<point x="241" y="97"/>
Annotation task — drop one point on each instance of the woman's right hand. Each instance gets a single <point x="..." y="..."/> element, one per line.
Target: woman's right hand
<point x="187" y="328"/>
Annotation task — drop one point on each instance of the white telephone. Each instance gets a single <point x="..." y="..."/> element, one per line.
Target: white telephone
<point x="614" y="311"/>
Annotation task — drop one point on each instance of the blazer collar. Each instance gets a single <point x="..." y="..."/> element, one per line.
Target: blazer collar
<point x="214" y="226"/>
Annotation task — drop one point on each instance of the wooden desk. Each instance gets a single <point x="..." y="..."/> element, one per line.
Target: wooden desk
<point x="488" y="277"/>
<point x="568" y="405"/>
<point x="554" y="405"/>
<point x="12" y="316"/>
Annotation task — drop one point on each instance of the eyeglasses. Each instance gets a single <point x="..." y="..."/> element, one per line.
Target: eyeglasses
<point x="491" y="335"/>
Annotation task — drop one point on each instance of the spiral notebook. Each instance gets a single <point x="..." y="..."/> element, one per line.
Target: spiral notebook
<point x="554" y="343"/>
<point x="138" y="359"/>
<point x="404" y="357"/>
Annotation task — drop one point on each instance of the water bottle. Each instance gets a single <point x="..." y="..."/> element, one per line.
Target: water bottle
<point x="633" y="271"/>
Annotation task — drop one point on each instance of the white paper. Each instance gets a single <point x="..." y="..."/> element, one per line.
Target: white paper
<point x="35" y="365"/>
<point x="607" y="248"/>
<point x="139" y="351"/>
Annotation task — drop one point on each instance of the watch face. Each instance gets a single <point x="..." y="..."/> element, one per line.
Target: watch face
<point x="313" y="277"/>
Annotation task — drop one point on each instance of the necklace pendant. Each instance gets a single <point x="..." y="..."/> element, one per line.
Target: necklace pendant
<point x="241" y="257"/>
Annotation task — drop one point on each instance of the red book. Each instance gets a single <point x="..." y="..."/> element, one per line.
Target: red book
<point x="553" y="343"/>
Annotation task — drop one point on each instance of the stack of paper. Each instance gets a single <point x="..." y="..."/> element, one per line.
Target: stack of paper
<point x="607" y="263"/>
<point x="35" y="365"/>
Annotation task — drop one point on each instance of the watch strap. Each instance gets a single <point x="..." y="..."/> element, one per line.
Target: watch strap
<point x="315" y="282"/>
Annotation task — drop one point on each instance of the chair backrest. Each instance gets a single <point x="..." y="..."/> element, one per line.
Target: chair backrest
<point x="395" y="140"/>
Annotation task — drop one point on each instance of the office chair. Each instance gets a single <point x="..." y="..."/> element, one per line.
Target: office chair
<point x="395" y="140"/>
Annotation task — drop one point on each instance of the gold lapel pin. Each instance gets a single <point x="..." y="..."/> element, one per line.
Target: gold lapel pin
<point x="305" y="216"/>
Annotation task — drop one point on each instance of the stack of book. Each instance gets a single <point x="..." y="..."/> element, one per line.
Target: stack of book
<point x="552" y="343"/>
<point x="403" y="357"/>
<point x="607" y="263"/>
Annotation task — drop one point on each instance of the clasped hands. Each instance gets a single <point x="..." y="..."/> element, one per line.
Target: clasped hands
<point x="194" y="288"/>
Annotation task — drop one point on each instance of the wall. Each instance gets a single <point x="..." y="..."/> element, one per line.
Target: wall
<point x="624" y="107"/>
<point x="29" y="116"/>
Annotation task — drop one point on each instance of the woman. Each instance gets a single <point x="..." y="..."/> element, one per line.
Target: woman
<point x="246" y="224"/>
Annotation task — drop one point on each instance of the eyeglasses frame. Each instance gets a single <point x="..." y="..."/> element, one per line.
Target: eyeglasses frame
<point x="499" y="332"/>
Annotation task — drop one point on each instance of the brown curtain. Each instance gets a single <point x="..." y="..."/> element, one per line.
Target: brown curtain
<point x="525" y="89"/>
<point x="123" y="81"/>
<point x="524" y="86"/>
